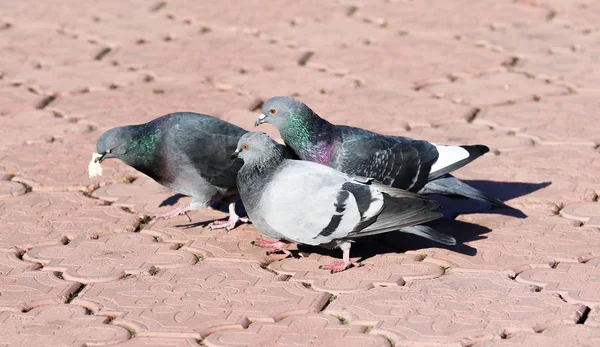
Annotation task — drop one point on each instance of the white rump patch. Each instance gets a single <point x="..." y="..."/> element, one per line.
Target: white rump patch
<point x="94" y="168"/>
<point x="448" y="155"/>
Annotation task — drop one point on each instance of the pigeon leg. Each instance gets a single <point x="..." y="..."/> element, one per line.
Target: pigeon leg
<point x="176" y="212"/>
<point x="340" y="266"/>
<point x="231" y="222"/>
<point x="274" y="246"/>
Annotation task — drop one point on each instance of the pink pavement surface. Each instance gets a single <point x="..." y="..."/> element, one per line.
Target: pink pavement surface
<point x="79" y="266"/>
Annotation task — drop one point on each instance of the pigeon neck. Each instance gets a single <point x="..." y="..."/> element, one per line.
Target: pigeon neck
<point x="141" y="153"/>
<point x="253" y="175"/>
<point x="311" y="137"/>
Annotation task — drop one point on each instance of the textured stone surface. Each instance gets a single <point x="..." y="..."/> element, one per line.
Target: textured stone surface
<point x="109" y="258"/>
<point x="575" y="282"/>
<point x="58" y="325"/>
<point x="43" y="218"/>
<point x="454" y="308"/>
<point x="23" y="288"/>
<point x="199" y="300"/>
<point x="519" y="76"/>
<point x="312" y="329"/>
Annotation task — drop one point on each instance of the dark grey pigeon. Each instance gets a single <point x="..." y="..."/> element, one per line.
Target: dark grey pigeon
<point x="186" y="152"/>
<point x="400" y="162"/>
<point x="313" y="204"/>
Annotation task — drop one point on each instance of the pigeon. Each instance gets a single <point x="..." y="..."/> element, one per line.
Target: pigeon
<point x="400" y="162"/>
<point x="186" y="152"/>
<point x="313" y="204"/>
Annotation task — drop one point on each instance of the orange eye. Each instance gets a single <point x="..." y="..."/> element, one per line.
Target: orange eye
<point x="272" y="111"/>
<point x="245" y="146"/>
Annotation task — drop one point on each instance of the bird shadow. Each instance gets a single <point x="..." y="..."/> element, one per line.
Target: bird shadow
<point x="400" y="242"/>
<point x="452" y="206"/>
<point x="171" y="200"/>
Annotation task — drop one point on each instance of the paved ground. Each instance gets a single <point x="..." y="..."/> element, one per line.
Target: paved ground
<point x="79" y="267"/>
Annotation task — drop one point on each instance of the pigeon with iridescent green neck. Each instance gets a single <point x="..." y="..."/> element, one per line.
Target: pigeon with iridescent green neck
<point x="186" y="152"/>
<point x="400" y="162"/>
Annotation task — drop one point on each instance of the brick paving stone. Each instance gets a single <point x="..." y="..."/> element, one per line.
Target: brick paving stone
<point x="60" y="164"/>
<point x="380" y="271"/>
<point x="593" y="318"/>
<point x="111" y="108"/>
<point x="310" y="329"/>
<point x="581" y="13"/>
<point x="559" y="336"/>
<point x="23" y="287"/>
<point x="501" y="89"/>
<point x="37" y="219"/>
<point x="562" y="110"/>
<point x="538" y="38"/>
<point x="39" y="127"/>
<point x="157" y="341"/>
<point x="271" y="18"/>
<point x="569" y="169"/>
<point x="143" y="196"/>
<point x="9" y="189"/>
<point x="14" y="99"/>
<point x="58" y="325"/>
<point x="109" y="258"/>
<point x="575" y="282"/>
<point x="424" y="16"/>
<point x="454" y="308"/>
<point x="515" y="245"/>
<point x="214" y="245"/>
<point x="447" y="56"/>
<point x="462" y="134"/>
<point x="586" y="212"/>
<point x="196" y="301"/>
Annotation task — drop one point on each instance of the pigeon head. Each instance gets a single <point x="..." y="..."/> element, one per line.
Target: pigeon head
<point x="256" y="147"/>
<point x="113" y="144"/>
<point x="281" y="110"/>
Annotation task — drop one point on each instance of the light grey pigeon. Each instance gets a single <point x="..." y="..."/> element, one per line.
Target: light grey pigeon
<point x="186" y="152"/>
<point x="313" y="204"/>
<point x="400" y="162"/>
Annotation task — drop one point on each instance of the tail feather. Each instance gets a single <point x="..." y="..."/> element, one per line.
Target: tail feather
<point x="454" y="157"/>
<point x="429" y="233"/>
<point x="450" y="185"/>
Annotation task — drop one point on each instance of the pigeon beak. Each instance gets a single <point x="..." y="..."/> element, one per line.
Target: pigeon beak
<point x="235" y="154"/>
<point x="100" y="157"/>
<point x="260" y="120"/>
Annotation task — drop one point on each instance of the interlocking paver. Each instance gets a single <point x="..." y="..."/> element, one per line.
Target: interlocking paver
<point x="158" y="341"/>
<point x="143" y="195"/>
<point x="58" y="325"/>
<point x="517" y="76"/>
<point x="516" y="245"/>
<point x="564" y="335"/>
<point x="109" y="258"/>
<point x="311" y="329"/>
<point x="575" y="282"/>
<point x="23" y="287"/>
<point x="36" y="219"/>
<point x="199" y="300"/>
<point x="214" y="245"/>
<point x="561" y="131"/>
<point x="501" y="89"/>
<point x="60" y="165"/>
<point x="586" y="212"/>
<point x="383" y="270"/>
<point x="454" y="308"/>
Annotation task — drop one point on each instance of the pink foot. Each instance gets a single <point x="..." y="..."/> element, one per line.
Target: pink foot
<point x="176" y="212"/>
<point x="231" y="222"/>
<point x="340" y="266"/>
<point x="345" y="263"/>
<point x="274" y="246"/>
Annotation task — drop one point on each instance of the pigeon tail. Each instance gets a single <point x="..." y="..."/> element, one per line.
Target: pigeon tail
<point x="454" y="157"/>
<point x="450" y="185"/>
<point x="429" y="233"/>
